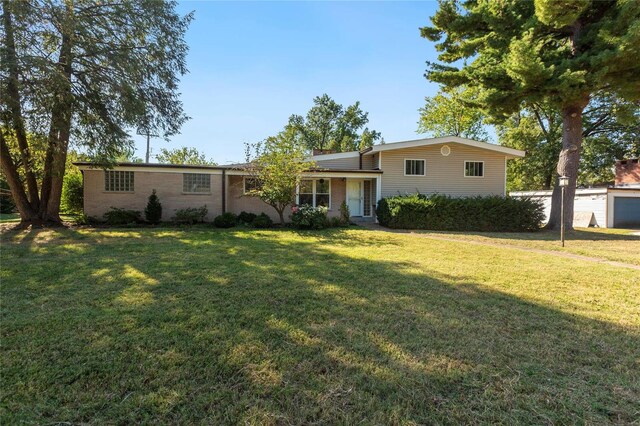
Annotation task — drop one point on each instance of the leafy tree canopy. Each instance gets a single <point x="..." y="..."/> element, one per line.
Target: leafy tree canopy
<point x="329" y="125"/>
<point x="86" y="73"/>
<point x="183" y="155"/>
<point x="277" y="165"/>
<point x="517" y="53"/>
<point x="451" y="114"/>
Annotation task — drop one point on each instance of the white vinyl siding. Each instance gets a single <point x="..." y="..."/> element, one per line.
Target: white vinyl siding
<point x="445" y="174"/>
<point x="118" y="181"/>
<point x="195" y="183"/>
<point x="414" y="167"/>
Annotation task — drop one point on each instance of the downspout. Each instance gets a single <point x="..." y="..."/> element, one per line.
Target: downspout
<point x="224" y="191"/>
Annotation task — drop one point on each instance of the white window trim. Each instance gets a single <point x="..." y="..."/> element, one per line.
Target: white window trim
<point x="244" y="186"/>
<point x="196" y="192"/>
<point x="464" y="169"/>
<point x="314" y="193"/>
<point x="111" y="191"/>
<point x="404" y="165"/>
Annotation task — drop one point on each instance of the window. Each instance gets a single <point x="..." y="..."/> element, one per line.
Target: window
<point x="118" y="181"/>
<point x="315" y="192"/>
<point x="196" y="183"/>
<point x="474" y="168"/>
<point x="414" y="167"/>
<point x="250" y="184"/>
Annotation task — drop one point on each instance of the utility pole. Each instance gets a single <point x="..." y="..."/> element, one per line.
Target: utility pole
<point x="149" y="135"/>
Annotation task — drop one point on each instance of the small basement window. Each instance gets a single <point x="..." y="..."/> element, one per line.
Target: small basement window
<point x="414" y="167"/>
<point x="474" y="168"/>
<point x="196" y="183"/>
<point x="118" y="181"/>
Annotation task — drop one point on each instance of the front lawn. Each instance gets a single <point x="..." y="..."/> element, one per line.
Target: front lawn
<point x="278" y="327"/>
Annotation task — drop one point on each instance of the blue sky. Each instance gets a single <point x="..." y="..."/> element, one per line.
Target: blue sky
<point x="252" y="65"/>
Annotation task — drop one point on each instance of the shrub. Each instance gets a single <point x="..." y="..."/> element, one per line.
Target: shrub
<point x="6" y="200"/>
<point x="116" y="216"/>
<point x="309" y="217"/>
<point x="336" y="222"/>
<point x="72" y="199"/>
<point x="443" y="213"/>
<point x="262" y="221"/>
<point x="226" y="220"/>
<point x="345" y="214"/>
<point x="153" y="212"/>
<point x="246" y="218"/>
<point x="191" y="215"/>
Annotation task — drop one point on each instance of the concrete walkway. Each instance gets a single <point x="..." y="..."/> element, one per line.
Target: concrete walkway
<point x="377" y="227"/>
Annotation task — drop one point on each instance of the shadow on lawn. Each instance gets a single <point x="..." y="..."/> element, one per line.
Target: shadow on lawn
<point x="226" y="327"/>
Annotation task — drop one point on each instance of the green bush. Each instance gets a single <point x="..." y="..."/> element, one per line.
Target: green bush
<point x="116" y="216"/>
<point x="6" y="200"/>
<point x="309" y="217"/>
<point x="226" y="220"/>
<point x="444" y="213"/>
<point x="72" y="199"/>
<point x="246" y="218"/>
<point x="336" y="222"/>
<point x="345" y="214"/>
<point x="262" y="221"/>
<point x="153" y="211"/>
<point x="191" y="215"/>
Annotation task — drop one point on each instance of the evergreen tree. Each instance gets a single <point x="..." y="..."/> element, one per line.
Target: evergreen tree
<point x="153" y="211"/>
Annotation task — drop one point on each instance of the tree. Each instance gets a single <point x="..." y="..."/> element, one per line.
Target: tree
<point x="277" y="165"/>
<point x="448" y="113"/>
<point x="82" y="72"/>
<point x="328" y="125"/>
<point x="611" y="131"/>
<point x="153" y="211"/>
<point x="556" y="51"/>
<point x="183" y="155"/>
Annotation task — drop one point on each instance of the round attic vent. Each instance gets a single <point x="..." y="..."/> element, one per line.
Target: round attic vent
<point x="445" y="150"/>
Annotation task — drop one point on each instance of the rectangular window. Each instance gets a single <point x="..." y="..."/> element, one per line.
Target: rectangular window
<point x="118" y="181"/>
<point x="250" y="185"/>
<point x="474" y="168"/>
<point x="315" y="192"/>
<point x="414" y="167"/>
<point x="196" y="183"/>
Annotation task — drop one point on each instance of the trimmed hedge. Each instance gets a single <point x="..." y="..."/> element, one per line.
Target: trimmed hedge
<point x="444" y="213"/>
<point x="226" y="220"/>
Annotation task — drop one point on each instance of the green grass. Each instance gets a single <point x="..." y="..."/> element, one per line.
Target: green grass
<point x="612" y="244"/>
<point x="279" y="327"/>
<point x="9" y="217"/>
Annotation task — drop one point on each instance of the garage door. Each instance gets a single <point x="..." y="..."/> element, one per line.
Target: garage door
<point x="626" y="212"/>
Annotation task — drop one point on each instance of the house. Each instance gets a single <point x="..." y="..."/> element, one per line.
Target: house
<point x="449" y="165"/>
<point x="617" y="206"/>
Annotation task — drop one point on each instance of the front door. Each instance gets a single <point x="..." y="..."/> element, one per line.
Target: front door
<point x="354" y="196"/>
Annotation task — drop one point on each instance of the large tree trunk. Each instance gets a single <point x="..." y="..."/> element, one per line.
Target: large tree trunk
<point x="27" y="213"/>
<point x="568" y="163"/>
<point x="15" y="106"/>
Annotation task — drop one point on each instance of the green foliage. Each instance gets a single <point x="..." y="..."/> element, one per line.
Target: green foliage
<point x="226" y="220"/>
<point x="452" y="113"/>
<point x="443" y="213"/>
<point x="191" y="215"/>
<point x="72" y="200"/>
<point x="329" y="125"/>
<point x="309" y="217"/>
<point x="335" y="222"/>
<point x="513" y="52"/>
<point x="153" y="211"/>
<point x="246" y="218"/>
<point x="6" y="201"/>
<point x="611" y="132"/>
<point x="345" y="214"/>
<point x="183" y="155"/>
<point x="262" y="221"/>
<point x="117" y="216"/>
<point x="277" y="164"/>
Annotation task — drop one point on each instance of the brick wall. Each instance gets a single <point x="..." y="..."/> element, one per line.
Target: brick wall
<point x="627" y="172"/>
